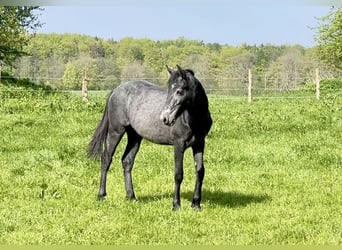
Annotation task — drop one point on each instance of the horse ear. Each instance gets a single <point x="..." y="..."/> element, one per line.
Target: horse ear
<point x="179" y="68"/>
<point x="191" y="72"/>
<point x="181" y="71"/>
<point x="169" y="69"/>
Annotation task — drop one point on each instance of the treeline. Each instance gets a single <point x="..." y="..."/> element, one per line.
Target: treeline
<point x="61" y="61"/>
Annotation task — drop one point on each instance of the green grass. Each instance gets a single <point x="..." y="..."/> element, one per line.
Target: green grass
<point x="273" y="176"/>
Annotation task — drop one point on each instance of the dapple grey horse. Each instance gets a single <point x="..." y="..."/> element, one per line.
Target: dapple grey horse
<point x="178" y="116"/>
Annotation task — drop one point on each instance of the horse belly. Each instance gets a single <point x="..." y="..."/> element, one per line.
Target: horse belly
<point x="146" y="122"/>
<point x="152" y="130"/>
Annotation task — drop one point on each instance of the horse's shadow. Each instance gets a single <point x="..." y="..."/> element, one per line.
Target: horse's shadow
<point x="215" y="198"/>
<point x="230" y="199"/>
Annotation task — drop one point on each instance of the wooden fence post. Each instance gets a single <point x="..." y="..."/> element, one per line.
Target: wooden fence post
<point x="84" y="86"/>
<point x="249" y="85"/>
<point x="318" y="90"/>
<point x="265" y="82"/>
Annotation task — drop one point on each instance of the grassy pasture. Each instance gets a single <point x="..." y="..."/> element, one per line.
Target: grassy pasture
<point x="273" y="176"/>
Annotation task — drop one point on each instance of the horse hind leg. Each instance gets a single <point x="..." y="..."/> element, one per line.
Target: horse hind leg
<point x="132" y="148"/>
<point x="113" y="139"/>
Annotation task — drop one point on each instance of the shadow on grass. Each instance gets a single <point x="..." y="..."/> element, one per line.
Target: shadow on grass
<point x="230" y="199"/>
<point x="153" y="198"/>
<point x="219" y="198"/>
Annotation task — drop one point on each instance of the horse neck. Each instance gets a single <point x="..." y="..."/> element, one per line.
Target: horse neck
<point x="200" y="107"/>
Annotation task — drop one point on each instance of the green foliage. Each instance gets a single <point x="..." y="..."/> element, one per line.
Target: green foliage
<point x="72" y="76"/>
<point x="331" y="84"/>
<point x="329" y="37"/>
<point x="272" y="176"/>
<point x="61" y="60"/>
<point x="15" y="23"/>
<point x="22" y="89"/>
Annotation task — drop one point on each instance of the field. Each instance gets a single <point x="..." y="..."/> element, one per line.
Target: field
<point x="273" y="176"/>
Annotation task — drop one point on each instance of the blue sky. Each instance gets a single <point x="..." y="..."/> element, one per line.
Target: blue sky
<point x="221" y="22"/>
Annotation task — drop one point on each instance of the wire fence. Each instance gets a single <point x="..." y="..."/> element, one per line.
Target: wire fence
<point x="250" y="87"/>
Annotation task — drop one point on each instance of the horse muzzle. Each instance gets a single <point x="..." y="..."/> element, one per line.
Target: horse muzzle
<point x="168" y="117"/>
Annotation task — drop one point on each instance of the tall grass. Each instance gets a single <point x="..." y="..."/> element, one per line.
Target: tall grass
<point x="273" y="176"/>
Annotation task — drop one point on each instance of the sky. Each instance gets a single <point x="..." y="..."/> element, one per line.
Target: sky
<point x="220" y="22"/>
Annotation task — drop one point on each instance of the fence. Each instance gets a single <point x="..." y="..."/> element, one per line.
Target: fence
<point x="251" y="87"/>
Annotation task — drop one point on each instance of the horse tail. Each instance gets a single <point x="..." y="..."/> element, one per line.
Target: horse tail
<point x="100" y="135"/>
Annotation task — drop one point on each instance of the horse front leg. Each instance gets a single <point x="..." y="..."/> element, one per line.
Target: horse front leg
<point x="198" y="149"/>
<point x="178" y="175"/>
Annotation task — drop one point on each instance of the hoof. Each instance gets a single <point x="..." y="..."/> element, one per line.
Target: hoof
<point x="131" y="198"/>
<point x="196" y="207"/>
<point x="176" y="208"/>
<point x="101" y="197"/>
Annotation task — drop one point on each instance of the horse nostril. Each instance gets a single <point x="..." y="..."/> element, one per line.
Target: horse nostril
<point x="179" y="92"/>
<point x="164" y="120"/>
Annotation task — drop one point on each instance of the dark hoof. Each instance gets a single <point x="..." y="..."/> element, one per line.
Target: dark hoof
<point x="176" y="208"/>
<point x="101" y="197"/>
<point x="129" y="198"/>
<point x="196" y="207"/>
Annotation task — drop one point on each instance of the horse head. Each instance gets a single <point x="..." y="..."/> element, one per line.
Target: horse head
<point x="180" y="94"/>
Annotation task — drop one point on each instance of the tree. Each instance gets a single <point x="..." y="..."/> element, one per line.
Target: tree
<point x="15" y="24"/>
<point x="74" y="71"/>
<point x="237" y="62"/>
<point x="135" y="71"/>
<point x="200" y="64"/>
<point x="329" y="37"/>
<point x="287" y="71"/>
<point x="96" y="49"/>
